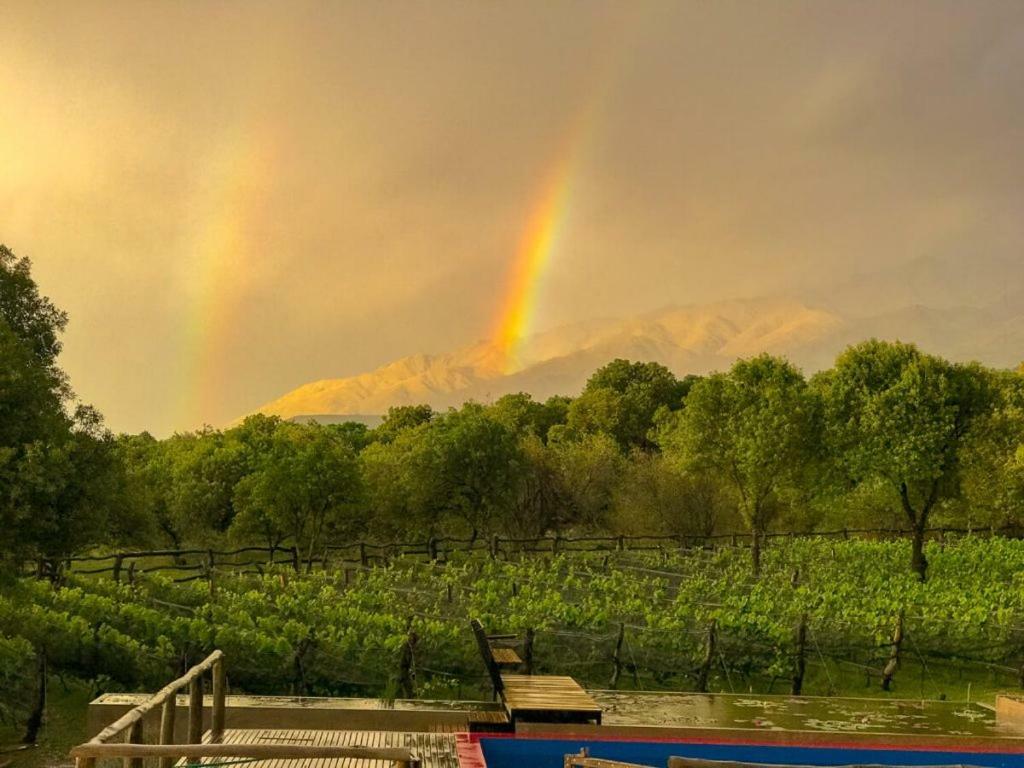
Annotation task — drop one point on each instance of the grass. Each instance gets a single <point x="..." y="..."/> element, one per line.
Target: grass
<point x="64" y="728"/>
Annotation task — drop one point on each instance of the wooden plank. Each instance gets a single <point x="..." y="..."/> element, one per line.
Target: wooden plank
<point x="554" y="697"/>
<point x="506" y="656"/>
<point x="436" y="750"/>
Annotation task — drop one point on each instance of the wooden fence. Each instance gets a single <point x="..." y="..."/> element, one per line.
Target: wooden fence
<point x="192" y="564"/>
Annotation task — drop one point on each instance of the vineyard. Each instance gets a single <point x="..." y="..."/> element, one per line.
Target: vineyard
<point x="822" y="618"/>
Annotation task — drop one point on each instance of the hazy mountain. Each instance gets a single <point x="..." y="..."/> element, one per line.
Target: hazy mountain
<point x="960" y="308"/>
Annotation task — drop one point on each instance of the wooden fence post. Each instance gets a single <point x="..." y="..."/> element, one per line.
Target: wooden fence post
<point x="432" y="549"/>
<point x="363" y="560"/>
<point x="495" y="546"/>
<point x="800" y="658"/>
<point x="710" y="644"/>
<point x="209" y="572"/>
<point x="894" y="655"/>
<point x="118" y="562"/>
<point x="220" y="686"/>
<point x="617" y="658"/>
<point x="296" y="564"/>
<point x="167" y="713"/>
<point x="195" y="710"/>
<point x="135" y="736"/>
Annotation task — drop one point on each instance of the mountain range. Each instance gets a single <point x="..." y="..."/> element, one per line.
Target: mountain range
<point x="963" y="309"/>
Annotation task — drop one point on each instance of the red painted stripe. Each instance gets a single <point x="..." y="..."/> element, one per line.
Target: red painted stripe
<point x="469" y="752"/>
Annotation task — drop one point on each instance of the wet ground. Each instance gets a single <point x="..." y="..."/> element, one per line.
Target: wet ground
<point x="889" y="716"/>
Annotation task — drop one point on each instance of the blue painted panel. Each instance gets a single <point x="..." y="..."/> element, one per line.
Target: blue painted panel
<point x="548" y="753"/>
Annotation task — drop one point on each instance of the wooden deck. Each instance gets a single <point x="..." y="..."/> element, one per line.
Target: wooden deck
<point x="548" y="698"/>
<point x="436" y="750"/>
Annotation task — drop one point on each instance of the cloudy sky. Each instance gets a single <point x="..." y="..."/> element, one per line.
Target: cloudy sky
<point x="235" y="198"/>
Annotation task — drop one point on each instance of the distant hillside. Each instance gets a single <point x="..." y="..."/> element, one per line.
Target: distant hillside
<point x="964" y="308"/>
<point x="693" y="339"/>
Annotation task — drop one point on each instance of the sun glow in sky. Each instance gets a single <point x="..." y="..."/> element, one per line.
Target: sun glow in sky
<point x="232" y="199"/>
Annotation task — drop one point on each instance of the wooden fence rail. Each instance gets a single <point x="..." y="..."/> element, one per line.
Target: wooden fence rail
<point x="366" y="553"/>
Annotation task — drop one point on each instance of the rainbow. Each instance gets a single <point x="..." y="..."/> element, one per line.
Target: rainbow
<point x="540" y="240"/>
<point x="222" y="267"/>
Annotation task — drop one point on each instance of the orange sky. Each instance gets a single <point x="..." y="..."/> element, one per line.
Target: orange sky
<point x="234" y="198"/>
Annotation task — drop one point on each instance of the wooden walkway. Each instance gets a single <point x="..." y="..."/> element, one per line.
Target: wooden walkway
<point x="548" y="698"/>
<point x="436" y="750"/>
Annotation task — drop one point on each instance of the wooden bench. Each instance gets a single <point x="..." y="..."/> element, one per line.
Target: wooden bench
<point x="538" y="698"/>
<point x="497" y="656"/>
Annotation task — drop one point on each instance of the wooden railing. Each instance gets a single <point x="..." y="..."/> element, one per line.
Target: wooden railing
<point x="132" y="751"/>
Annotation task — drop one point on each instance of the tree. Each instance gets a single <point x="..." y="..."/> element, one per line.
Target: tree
<point x="476" y="462"/>
<point x="992" y="474"/>
<point x="589" y="470"/>
<point x="403" y="494"/>
<point x="541" y="499"/>
<point x="306" y="489"/>
<point x="905" y="418"/>
<point x="71" y="489"/>
<point x="621" y="400"/>
<point x="400" y="418"/>
<point x="58" y="477"/>
<point x="656" y="495"/>
<point x="756" y="429"/>
<point x="461" y="467"/>
<point x="525" y="416"/>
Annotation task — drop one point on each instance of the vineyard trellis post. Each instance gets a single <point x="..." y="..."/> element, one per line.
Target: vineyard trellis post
<point x="800" y="657"/>
<point x="894" y="654"/>
<point x="710" y="645"/>
<point x="407" y="667"/>
<point x="617" y="657"/>
<point x="528" y="651"/>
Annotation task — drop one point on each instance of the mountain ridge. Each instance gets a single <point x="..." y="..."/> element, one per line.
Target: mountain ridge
<point x="961" y="308"/>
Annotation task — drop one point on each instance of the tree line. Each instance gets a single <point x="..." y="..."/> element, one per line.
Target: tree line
<point x="888" y="436"/>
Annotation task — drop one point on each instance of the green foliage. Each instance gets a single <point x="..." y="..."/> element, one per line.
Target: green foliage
<point x="621" y="399"/>
<point x="322" y="633"/>
<point x="58" y="470"/>
<point x="655" y="493"/>
<point x="756" y="427"/>
<point x="400" y="418"/>
<point x="905" y="418"/>
<point x="305" y="487"/>
<point x="17" y="664"/>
